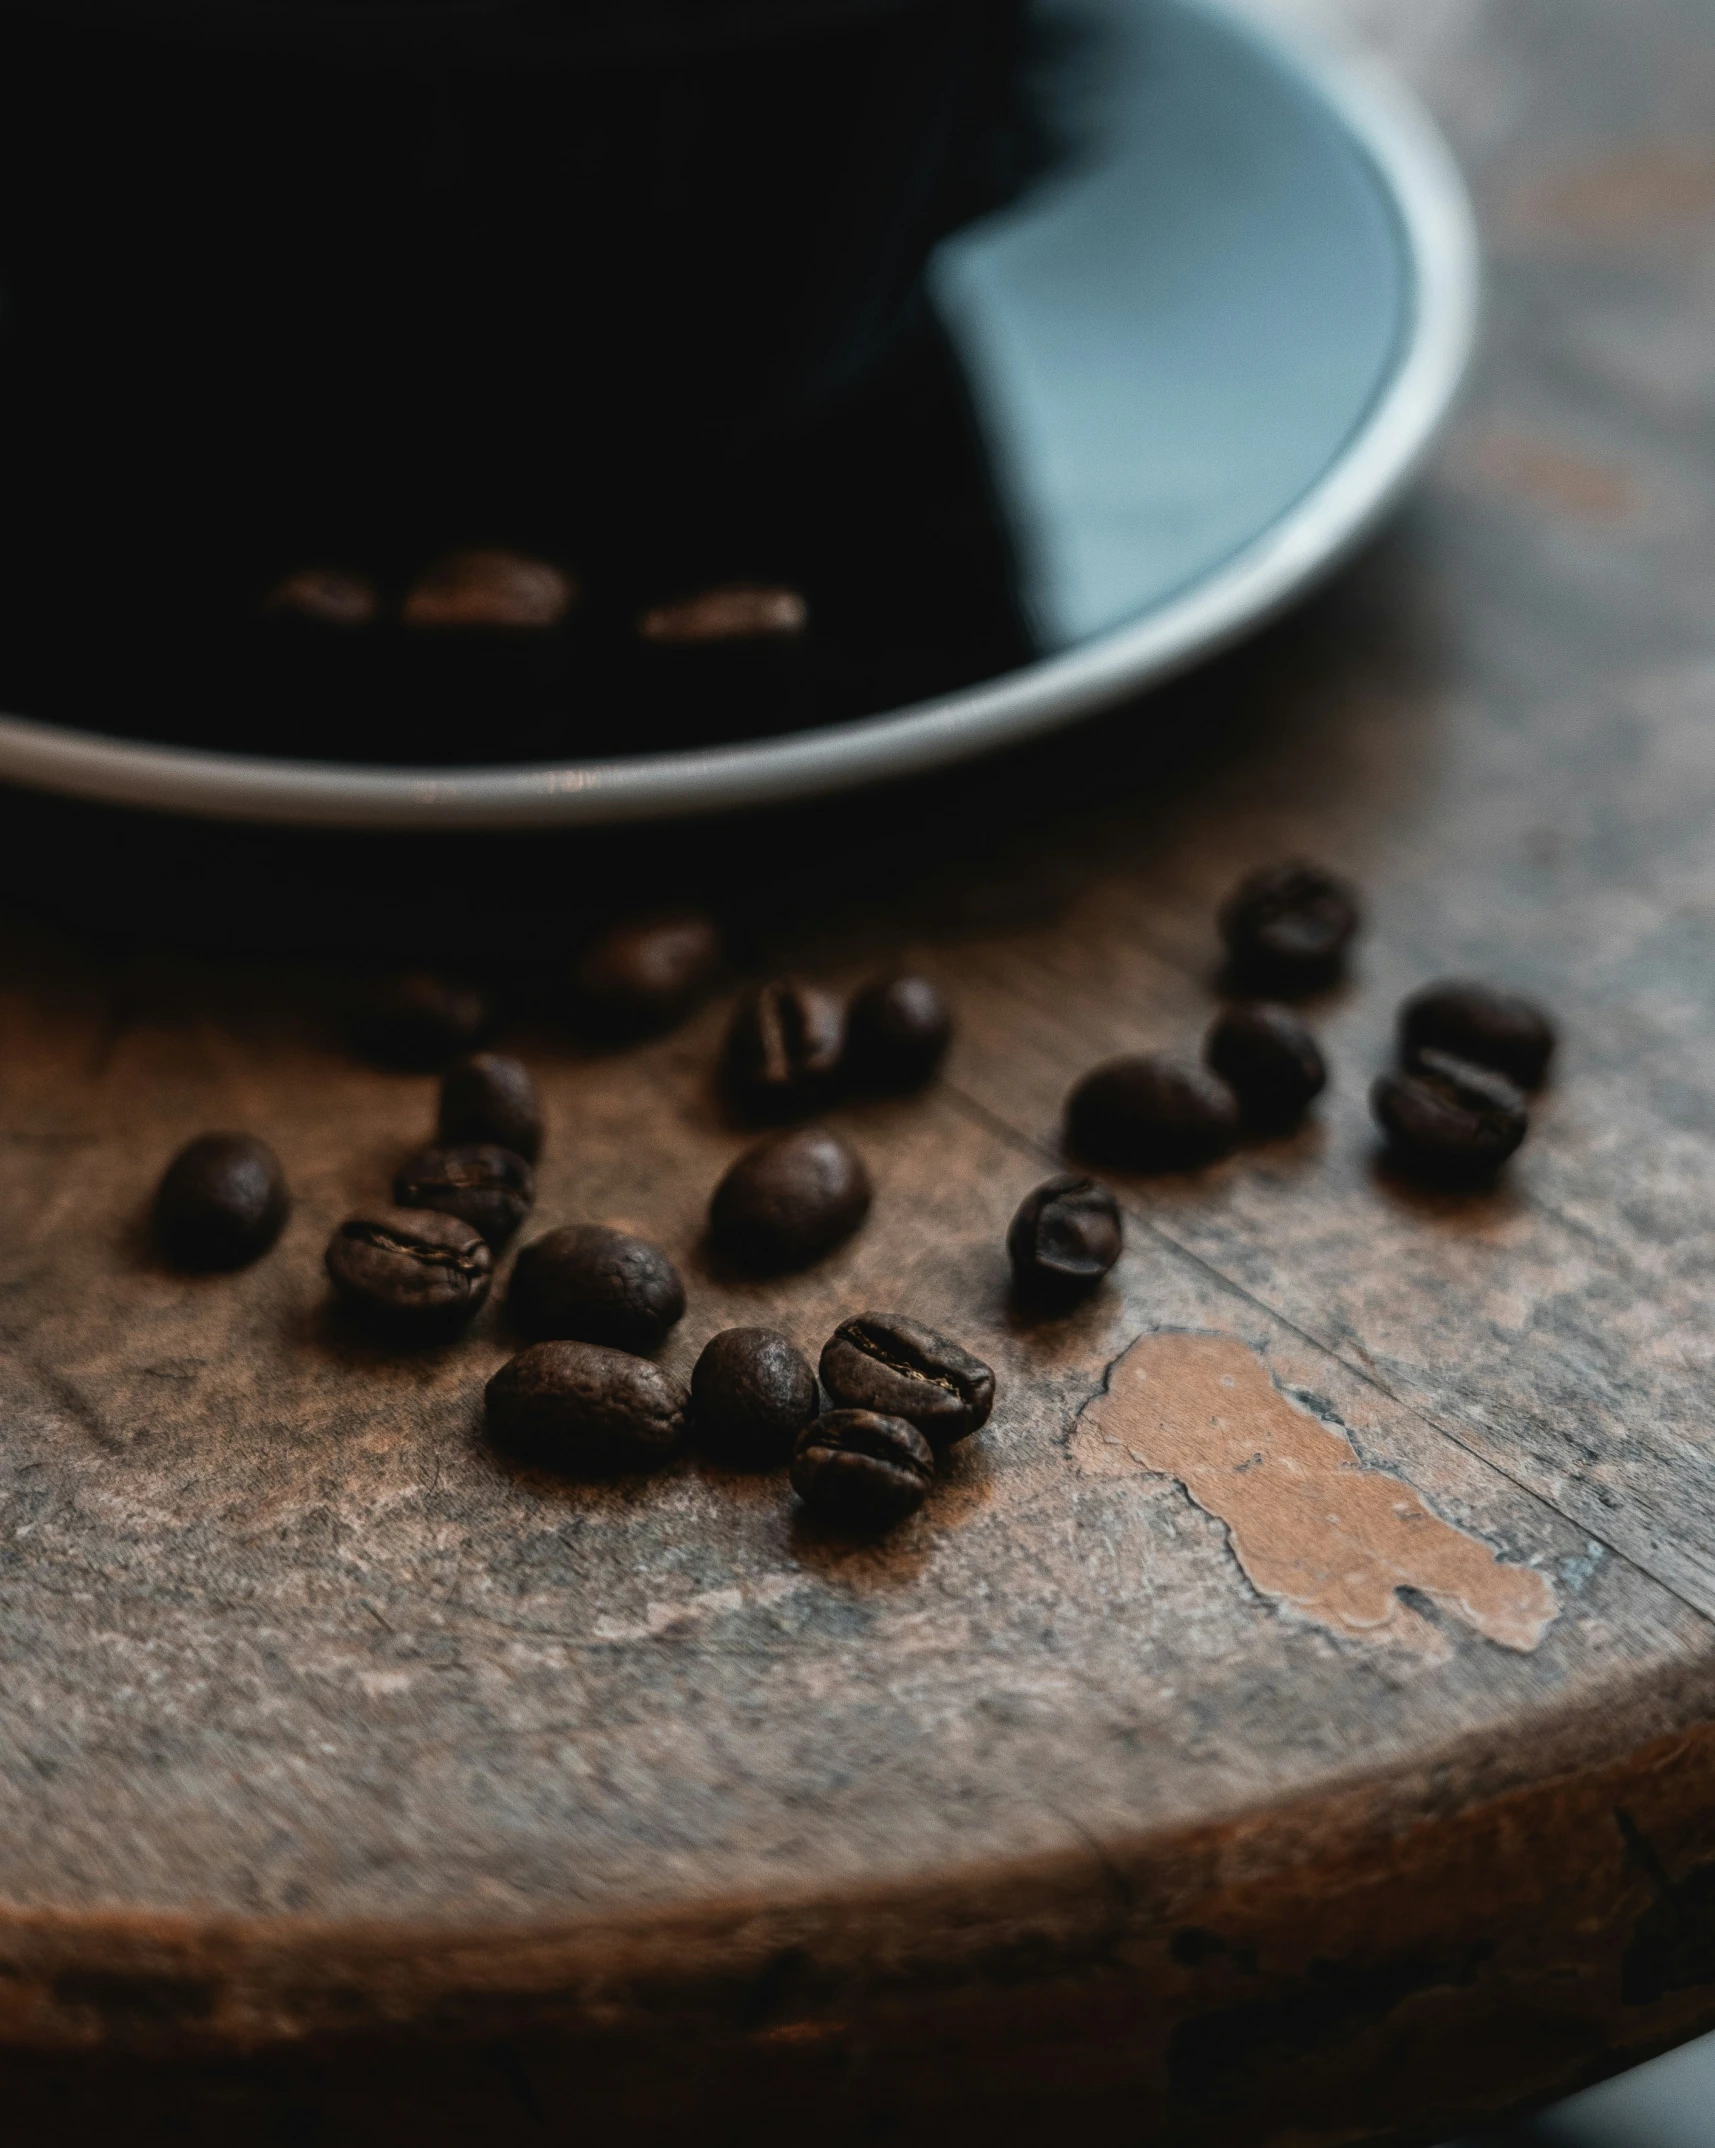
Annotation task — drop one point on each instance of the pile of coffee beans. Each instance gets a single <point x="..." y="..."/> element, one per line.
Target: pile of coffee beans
<point x="1456" y="1107"/>
<point x="792" y="1047"/>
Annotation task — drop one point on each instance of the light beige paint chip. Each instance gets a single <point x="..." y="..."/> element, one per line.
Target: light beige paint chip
<point x="1309" y="1524"/>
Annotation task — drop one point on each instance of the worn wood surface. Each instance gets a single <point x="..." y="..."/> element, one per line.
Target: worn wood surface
<point x="344" y="1768"/>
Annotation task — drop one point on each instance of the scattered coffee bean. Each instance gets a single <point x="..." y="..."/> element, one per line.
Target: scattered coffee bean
<point x="419" y="1022"/>
<point x="411" y="1271"/>
<point x="324" y="595"/>
<point x="489" y="589"/>
<point x="789" y="1200"/>
<point x="1475" y="1022"/>
<point x="1064" y="1239"/>
<point x="582" y="1408"/>
<point x="587" y="1283"/>
<point x="1287" y="927"/>
<point x="1269" y="1060"/>
<point x="752" y="1394"/>
<point x="858" y="1470"/>
<point x="897" y="1033"/>
<point x="741" y="612"/>
<point x="1449" y="1120"/>
<point x="647" y="975"/>
<point x="783" y="1048"/>
<point x="899" y="1368"/>
<point x="222" y="1202"/>
<point x="1156" y="1112"/>
<point x="489" y="1097"/>
<point x="490" y="1187"/>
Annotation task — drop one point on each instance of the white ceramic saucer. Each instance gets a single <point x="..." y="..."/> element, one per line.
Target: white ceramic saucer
<point x="1208" y="356"/>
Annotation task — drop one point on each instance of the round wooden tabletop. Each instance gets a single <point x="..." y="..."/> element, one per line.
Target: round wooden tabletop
<point x="1289" y="1721"/>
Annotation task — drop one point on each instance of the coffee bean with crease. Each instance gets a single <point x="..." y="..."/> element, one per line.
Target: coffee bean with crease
<point x="1477" y="1023"/>
<point x="418" y="1021"/>
<point x="858" y="1470"/>
<point x="489" y="1187"/>
<point x="645" y="975"/>
<point x="897" y="1033"/>
<point x="411" y="1272"/>
<point x="1064" y="1239"/>
<point x="789" y="1200"/>
<point x="897" y="1367"/>
<point x="1449" y="1121"/>
<point x="586" y="1409"/>
<point x="589" y="1283"/>
<point x="1156" y="1111"/>
<point x="490" y="1097"/>
<point x="1270" y="1061"/>
<point x="222" y="1202"/>
<point x="783" y="1049"/>
<point x="1287" y="928"/>
<point x="752" y="1393"/>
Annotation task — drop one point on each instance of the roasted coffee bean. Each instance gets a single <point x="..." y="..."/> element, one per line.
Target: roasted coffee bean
<point x="419" y="1022"/>
<point x="858" y="1470"/>
<point x="586" y="1283"/>
<point x="789" y="1200"/>
<point x="585" y="1409"/>
<point x="489" y="1097"/>
<point x="783" y="1049"/>
<point x="752" y="1394"/>
<point x="489" y="1187"/>
<point x="742" y="611"/>
<point x="897" y="1033"/>
<point x="1476" y="1023"/>
<point x="899" y="1368"/>
<point x="490" y="589"/>
<point x="325" y="595"/>
<point x="222" y="1202"/>
<point x="1157" y="1112"/>
<point x="1064" y="1239"/>
<point x="1269" y="1060"/>
<point x="645" y="976"/>
<point x="1287" y="927"/>
<point x="1447" y="1119"/>
<point x="411" y="1271"/>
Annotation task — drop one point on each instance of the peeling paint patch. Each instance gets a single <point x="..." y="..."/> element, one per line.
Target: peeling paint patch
<point x="1311" y="1527"/>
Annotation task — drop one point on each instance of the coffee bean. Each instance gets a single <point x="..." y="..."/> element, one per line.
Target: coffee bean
<point x="1269" y="1060"/>
<point x="1287" y="927"/>
<point x="587" y="1283"/>
<point x="1156" y="1112"/>
<point x="489" y="589"/>
<point x="899" y="1368"/>
<point x="647" y="975"/>
<point x="897" y="1033"/>
<point x="419" y="1022"/>
<point x="752" y="1394"/>
<point x="1064" y="1239"/>
<point x="488" y="1097"/>
<point x="789" y="1200"/>
<point x="783" y="1049"/>
<point x="858" y="1470"/>
<point x="743" y="611"/>
<point x="588" y="1410"/>
<point x="1449" y="1120"/>
<point x="1475" y="1022"/>
<point x="222" y="1203"/>
<point x="411" y="1271"/>
<point x="325" y="595"/>
<point x="490" y="1187"/>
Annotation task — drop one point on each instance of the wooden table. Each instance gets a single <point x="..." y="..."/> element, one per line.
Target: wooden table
<point x="1138" y="1784"/>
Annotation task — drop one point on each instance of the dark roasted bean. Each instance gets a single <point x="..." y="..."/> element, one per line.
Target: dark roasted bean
<point x="741" y="611"/>
<point x="1476" y="1023"/>
<point x="586" y="1283"/>
<point x="1064" y="1239"/>
<point x="1269" y="1060"/>
<point x="789" y="1200"/>
<point x="489" y="1097"/>
<point x="783" y="1049"/>
<point x="858" y="1470"/>
<point x="1157" y="1112"/>
<point x="1287" y="927"/>
<point x="420" y="1022"/>
<point x="899" y="1368"/>
<point x="1447" y="1119"/>
<point x="222" y="1202"/>
<point x="752" y="1394"/>
<point x="411" y="1271"/>
<point x="489" y="1187"/>
<point x="489" y="589"/>
<point x="897" y="1033"/>
<point x="588" y="1410"/>
<point x="645" y="976"/>
<point x="325" y="595"/>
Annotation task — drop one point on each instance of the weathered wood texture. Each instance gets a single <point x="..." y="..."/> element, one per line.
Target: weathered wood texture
<point x="344" y="1769"/>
